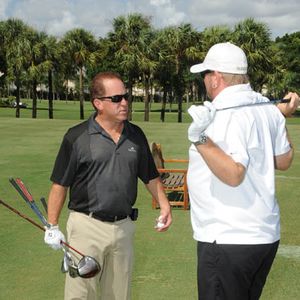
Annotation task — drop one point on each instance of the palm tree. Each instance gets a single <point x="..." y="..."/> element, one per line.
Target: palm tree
<point x="255" y="39"/>
<point x="287" y="48"/>
<point x="148" y="62"/>
<point x="180" y="45"/>
<point x="17" y="50"/>
<point x="52" y="54"/>
<point x="128" y="41"/>
<point x="3" y="66"/>
<point x="39" y="64"/>
<point x="165" y="67"/>
<point x="81" y="47"/>
<point x="213" y="35"/>
<point x="206" y="39"/>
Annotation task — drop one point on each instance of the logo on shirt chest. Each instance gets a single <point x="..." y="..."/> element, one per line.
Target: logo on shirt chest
<point x="131" y="149"/>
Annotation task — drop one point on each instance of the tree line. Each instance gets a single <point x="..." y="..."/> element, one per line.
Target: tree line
<point x="155" y="60"/>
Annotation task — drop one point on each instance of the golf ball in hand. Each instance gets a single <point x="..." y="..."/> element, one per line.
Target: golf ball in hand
<point x="159" y="223"/>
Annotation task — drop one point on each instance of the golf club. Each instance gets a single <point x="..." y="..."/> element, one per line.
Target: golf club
<point x="257" y="104"/>
<point x="68" y="264"/>
<point x="87" y="266"/>
<point x="43" y="201"/>
<point x="25" y="194"/>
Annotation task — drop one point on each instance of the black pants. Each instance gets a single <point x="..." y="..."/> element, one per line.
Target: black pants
<point x="233" y="272"/>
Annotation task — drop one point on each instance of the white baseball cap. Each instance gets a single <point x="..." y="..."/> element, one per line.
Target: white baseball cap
<point x="223" y="57"/>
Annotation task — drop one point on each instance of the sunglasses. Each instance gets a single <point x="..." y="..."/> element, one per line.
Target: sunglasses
<point x="115" y="98"/>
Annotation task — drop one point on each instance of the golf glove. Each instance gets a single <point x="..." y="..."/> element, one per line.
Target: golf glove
<point x="194" y="132"/>
<point x="202" y="115"/>
<point x="53" y="237"/>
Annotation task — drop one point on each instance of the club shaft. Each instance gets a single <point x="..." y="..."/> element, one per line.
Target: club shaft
<point x="35" y="224"/>
<point x="258" y="104"/>
<point x="22" y="215"/>
<point x="25" y="194"/>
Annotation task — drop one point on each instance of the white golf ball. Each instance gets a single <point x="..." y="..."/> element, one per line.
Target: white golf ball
<point x="159" y="223"/>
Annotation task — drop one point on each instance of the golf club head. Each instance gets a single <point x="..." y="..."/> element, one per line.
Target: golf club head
<point x="88" y="267"/>
<point x="66" y="262"/>
<point x="68" y="265"/>
<point x="73" y="271"/>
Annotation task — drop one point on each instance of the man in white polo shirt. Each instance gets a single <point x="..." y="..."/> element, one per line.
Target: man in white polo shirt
<point x="237" y="143"/>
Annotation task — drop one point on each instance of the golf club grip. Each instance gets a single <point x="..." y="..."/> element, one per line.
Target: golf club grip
<point x="43" y="200"/>
<point x="25" y="194"/>
<point x="35" y="224"/>
<point x="285" y="101"/>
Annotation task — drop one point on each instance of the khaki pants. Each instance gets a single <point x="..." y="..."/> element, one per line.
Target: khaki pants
<point x="111" y="244"/>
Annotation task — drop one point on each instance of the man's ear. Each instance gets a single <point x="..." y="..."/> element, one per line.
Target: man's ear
<point x="216" y="79"/>
<point x="97" y="104"/>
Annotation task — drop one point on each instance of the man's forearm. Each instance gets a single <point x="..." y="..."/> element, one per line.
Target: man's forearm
<point x="156" y="189"/>
<point x="56" y="201"/>
<point x="221" y="164"/>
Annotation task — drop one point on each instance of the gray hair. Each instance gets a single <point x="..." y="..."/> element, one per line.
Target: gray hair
<point x="234" y="79"/>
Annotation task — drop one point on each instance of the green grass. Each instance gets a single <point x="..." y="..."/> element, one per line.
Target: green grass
<point x="69" y="110"/>
<point x="165" y="263"/>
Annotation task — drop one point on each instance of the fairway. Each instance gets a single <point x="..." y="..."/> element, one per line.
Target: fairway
<point x="165" y="263"/>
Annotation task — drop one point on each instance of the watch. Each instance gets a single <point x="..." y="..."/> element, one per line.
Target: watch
<point x="202" y="139"/>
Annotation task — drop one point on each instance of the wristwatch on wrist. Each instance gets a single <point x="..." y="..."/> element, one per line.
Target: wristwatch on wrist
<point x="202" y="139"/>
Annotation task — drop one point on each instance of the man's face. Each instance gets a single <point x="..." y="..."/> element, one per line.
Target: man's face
<point x="111" y="111"/>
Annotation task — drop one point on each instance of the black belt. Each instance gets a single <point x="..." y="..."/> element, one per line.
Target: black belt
<point x="103" y="217"/>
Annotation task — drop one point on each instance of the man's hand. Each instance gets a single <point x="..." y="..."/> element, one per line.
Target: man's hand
<point x="164" y="221"/>
<point x="287" y="109"/>
<point x="202" y="115"/>
<point x="194" y="132"/>
<point x="53" y="237"/>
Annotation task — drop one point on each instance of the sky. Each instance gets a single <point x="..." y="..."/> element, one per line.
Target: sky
<point x="58" y="16"/>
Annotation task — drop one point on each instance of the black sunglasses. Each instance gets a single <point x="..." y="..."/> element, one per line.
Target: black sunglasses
<point x="115" y="98"/>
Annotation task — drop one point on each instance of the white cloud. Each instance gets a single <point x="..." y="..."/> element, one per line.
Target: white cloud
<point x="67" y="22"/>
<point x="166" y="13"/>
<point x="3" y="5"/>
<point x="159" y="2"/>
<point x="58" y="16"/>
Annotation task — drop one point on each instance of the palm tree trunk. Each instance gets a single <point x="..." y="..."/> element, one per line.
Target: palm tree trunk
<point x="81" y="99"/>
<point x="18" y="99"/>
<point x="130" y="86"/>
<point x="34" y="99"/>
<point x="147" y="97"/>
<point x="163" y="107"/>
<point x="179" y="99"/>
<point x="50" y="95"/>
<point x="178" y="95"/>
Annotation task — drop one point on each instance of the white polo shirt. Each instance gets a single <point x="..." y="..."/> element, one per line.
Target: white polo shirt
<point x="252" y="136"/>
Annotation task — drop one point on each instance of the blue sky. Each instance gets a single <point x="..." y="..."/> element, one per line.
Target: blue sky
<point x="58" y="16"/>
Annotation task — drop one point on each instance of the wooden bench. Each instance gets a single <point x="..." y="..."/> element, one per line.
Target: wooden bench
<point x="174" y="180"/>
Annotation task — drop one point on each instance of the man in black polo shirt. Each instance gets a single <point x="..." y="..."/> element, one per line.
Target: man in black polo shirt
<point x="100" y="161"/>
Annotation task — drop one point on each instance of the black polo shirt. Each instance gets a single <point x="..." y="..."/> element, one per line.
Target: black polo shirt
<point x="102" y="175"/>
